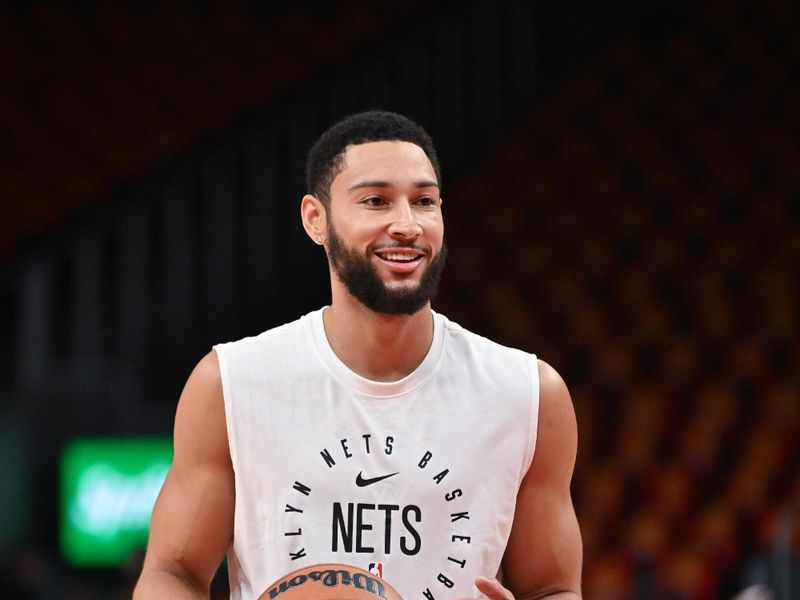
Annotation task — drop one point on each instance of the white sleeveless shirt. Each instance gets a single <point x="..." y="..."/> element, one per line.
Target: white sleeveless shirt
<point x="415" y="480"/>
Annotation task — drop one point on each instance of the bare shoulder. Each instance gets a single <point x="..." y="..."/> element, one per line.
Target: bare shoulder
<point x="206" y="375"/>
<point x="200" y="426"/>
<point x="551" y="385"/>
<point x="557" y="435"/>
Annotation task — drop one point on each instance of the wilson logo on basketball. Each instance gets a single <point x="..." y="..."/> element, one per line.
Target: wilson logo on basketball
<point x="331" y="578"/>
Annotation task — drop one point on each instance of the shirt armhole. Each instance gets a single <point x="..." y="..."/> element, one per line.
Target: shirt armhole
<point x="533" y="417"/>
<point x="227" y="399"/>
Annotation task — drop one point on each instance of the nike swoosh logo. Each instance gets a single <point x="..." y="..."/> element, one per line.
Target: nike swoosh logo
<point x="361" y="481"/>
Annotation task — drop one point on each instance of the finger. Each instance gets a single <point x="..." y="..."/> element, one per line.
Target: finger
<point x="492" y="589"/>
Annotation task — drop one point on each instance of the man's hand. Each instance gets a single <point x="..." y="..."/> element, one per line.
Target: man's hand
<point x="495" y="591"/>
<point x="492" y="588"/>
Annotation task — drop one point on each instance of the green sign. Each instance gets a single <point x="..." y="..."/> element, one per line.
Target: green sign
<point x="108" y="489"/>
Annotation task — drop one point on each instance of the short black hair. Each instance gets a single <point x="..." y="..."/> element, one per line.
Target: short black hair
<point x="325" y="159"/>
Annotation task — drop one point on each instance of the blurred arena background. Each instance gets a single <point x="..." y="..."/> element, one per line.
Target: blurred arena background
<point x="622" y="198"/>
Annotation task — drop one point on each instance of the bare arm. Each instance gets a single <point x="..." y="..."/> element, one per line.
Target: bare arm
<point x="544" y="553"/>
<point x="192" y="523"/>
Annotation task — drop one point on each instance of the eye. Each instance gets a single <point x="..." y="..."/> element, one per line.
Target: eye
<point x="374" y="201"/>
<point x="426" y="201"/>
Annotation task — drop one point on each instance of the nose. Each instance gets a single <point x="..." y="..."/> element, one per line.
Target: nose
<point x="404" y="222"/>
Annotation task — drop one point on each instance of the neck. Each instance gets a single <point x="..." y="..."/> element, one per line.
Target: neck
<point x="378" y="346"/>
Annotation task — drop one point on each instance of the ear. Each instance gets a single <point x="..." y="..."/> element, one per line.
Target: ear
<point x="315" y="218"/>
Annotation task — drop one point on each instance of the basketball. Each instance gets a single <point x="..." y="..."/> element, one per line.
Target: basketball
<point x="330" y="581"/>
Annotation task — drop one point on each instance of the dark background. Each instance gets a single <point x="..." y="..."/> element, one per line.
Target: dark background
<point x="622" y="199"/>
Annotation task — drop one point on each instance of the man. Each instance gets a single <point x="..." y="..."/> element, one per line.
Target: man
<point x="373" y="432"/>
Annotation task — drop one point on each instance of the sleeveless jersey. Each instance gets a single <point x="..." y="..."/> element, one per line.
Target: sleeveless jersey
<point x="414" y="480"/>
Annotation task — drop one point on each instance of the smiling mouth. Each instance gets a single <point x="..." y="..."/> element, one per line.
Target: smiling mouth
<point x="400" y="255"/>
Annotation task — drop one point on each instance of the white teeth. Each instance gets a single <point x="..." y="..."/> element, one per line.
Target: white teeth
<point x="399" y="256"/>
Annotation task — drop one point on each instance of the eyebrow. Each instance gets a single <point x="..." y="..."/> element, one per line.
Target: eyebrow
<point x="385" y="184"/>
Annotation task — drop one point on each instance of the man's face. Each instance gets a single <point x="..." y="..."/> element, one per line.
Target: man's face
<point x="385" y="228"/>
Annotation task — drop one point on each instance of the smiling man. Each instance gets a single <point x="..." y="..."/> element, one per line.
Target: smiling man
<point x="372" y="432"/>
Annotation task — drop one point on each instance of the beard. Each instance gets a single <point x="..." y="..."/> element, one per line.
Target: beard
<point x="359" y="277"/>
